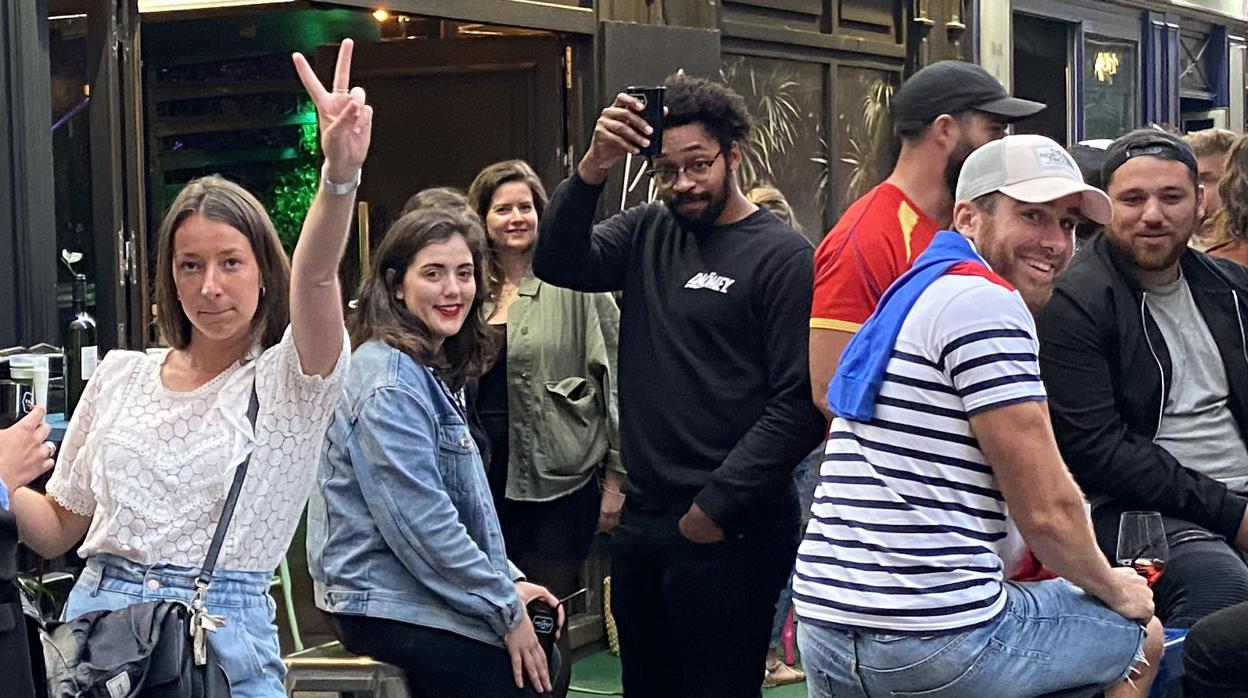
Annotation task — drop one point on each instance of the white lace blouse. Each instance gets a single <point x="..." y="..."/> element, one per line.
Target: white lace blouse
<point x="152" y="466"/>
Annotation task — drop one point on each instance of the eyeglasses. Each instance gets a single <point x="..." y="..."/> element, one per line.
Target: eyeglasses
<point x="697" y="170"/>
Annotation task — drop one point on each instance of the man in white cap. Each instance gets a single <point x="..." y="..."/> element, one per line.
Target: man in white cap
<point x="942" y="455"/>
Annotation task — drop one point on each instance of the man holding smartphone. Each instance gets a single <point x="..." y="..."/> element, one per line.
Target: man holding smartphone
<point x="714" y="398"/>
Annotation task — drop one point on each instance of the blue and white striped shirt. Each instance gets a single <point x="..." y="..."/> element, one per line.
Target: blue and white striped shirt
<point x="909" y="531"/>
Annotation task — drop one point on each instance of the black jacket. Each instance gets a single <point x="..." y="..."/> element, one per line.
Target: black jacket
<point x="1107" y="371"/>
<point x="17" y="672"/>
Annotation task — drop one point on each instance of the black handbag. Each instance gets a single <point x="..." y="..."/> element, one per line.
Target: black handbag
<point x="155" y="649"/>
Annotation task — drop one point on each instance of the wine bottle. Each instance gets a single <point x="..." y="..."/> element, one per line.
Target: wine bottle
<point x="81" y="350"/>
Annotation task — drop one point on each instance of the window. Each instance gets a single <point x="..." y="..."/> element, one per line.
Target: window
<point x="1110" y="77"/>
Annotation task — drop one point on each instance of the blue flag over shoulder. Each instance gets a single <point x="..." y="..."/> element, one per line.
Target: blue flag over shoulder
<point x="853" y="389"/>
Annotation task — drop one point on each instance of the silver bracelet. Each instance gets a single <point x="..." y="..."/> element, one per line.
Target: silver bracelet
<point x="336" y="188"/>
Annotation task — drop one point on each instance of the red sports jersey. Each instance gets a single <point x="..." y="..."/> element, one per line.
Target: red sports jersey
<point x="873" y="244"/>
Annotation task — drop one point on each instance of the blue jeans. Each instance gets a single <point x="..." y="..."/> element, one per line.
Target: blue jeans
<point x="804" y="476"/>
<point x="1050" y="637"/>
<point x="246" y="647"/>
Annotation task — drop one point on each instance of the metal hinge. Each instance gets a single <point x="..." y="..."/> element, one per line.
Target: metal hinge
<point x="127" y="262"/>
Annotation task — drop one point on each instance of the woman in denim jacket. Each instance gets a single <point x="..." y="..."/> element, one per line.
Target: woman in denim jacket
<point x="403" y="541"/>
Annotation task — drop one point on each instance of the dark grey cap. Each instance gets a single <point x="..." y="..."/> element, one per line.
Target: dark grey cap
<point x="949" y="87"/>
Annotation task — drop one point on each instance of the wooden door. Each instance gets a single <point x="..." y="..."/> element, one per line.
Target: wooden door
<point x="445" y="108"/>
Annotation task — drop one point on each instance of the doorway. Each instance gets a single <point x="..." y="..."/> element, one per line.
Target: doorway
<point x="1042" y="49"/>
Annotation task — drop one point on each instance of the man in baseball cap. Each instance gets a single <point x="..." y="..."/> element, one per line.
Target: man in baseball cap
<point x="941" y="113"/>
<point x="940" y="473"/>
<point x="1142" y="351"/>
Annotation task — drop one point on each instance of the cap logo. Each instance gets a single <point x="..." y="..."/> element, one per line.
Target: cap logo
<point x="1053" y="159"/>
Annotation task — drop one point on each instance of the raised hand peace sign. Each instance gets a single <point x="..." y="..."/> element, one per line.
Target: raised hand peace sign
<point x="346" y="122"/>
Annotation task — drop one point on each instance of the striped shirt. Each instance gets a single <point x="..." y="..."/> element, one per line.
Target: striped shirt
<point x="910" y="532"/>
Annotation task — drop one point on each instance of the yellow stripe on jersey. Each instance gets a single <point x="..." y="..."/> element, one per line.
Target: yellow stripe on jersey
<point x="818" y="323"/>
<point x="908" y="219"/>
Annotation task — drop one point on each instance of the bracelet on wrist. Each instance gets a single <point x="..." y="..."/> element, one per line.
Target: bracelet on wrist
<point x="338" y="188"/>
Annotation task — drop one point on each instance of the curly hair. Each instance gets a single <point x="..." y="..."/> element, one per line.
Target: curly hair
<point x="380" y="315"/>
<point x="717" y="107"/>
<point x="1231" y="223"/>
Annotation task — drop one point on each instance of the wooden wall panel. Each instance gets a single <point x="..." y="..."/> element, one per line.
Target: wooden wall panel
<point x="790" y="15"/>
<point x="872" y="18"/>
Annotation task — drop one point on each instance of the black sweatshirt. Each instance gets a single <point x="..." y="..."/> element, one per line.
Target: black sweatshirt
<point x="714" y="384"/>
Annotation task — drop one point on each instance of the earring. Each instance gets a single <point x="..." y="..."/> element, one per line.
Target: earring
<point x="262" y="292"/>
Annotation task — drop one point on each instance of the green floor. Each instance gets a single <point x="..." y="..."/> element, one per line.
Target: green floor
<point x="599" y="675"/>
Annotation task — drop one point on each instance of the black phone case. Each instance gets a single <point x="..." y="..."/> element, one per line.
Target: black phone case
<point x="653" y="114"/>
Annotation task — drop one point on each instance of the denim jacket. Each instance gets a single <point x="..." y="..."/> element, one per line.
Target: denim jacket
<point x="403" y="526"/>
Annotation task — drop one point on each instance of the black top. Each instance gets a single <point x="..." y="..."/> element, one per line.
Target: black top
<point x="714" y="386"/>
<point x="1106" y="368"/>
<point x="491" y="409"/>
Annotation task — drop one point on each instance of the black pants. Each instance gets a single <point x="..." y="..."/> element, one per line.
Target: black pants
<point x="1203" y="575"/>
<point x="695" y="620"/>
<point x="1215" y="655"/>
<point x="438" y="664"/>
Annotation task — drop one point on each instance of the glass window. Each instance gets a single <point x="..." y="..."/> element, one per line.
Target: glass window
<point x="1110" y="96"/>
<point x="786" y="148"/>
<point x="864" y="139"/>
<point x="71" y="157"/>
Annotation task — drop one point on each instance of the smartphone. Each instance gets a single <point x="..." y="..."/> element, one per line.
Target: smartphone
<point x="652" y="98"/>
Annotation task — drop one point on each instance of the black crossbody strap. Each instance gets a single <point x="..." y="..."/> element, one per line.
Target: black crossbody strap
<point x="227" y="511"/>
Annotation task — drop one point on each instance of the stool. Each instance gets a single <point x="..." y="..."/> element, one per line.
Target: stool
<point x="330" y="668"/>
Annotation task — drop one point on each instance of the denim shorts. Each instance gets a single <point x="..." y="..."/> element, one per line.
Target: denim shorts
<point x="246" y="647"/>
<point x="1051" y="637"/>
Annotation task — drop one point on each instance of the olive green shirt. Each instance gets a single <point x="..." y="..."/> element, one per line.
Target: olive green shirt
<point x="563" y="417"/>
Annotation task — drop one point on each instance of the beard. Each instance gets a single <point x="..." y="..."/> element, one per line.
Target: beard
<point x="953" y="167"/>
<point x="715" y="205"/>
<point x="1149" y="260"/>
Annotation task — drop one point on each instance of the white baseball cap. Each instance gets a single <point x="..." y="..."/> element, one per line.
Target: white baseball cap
<point x="1030" y="168"/>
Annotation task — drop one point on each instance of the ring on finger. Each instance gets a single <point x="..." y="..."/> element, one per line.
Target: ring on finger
<point x="51" y="446"/>
<point x="341" y="90"/>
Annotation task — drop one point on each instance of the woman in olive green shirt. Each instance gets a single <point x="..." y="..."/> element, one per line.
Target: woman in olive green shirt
<point x="548" y="404"/>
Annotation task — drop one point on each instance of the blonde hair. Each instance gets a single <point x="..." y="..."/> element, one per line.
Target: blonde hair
<point x="1231" y="223"/>
<point x="1211" y="141"/>
<point x="772" y="199"/>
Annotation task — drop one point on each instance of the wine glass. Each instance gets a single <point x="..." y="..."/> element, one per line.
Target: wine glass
<point x="1142" y="544"/>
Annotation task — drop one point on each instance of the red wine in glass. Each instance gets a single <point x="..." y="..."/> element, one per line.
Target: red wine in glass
<point x="1150" y="569"/>
<point x="1142" y="544"/>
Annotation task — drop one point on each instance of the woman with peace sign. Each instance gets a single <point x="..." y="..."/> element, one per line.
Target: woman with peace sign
<point x="153" y="446"/>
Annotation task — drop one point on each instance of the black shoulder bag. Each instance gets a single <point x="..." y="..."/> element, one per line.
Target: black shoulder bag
<point x="155" y="649"/>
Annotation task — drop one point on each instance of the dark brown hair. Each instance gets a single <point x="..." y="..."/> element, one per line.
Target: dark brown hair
<point x="223" y="201"/>
<point x="481" y="195"/>
<point x="1231" y="223"/>
<point x="436" y="197"/>
<point x="380" y="315"/>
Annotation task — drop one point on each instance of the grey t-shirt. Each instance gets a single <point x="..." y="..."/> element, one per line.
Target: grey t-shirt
<point x="1197" y="427"/>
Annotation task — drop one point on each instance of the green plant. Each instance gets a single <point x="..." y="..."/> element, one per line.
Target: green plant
<point x="293" y="190"/>
<point x="772" y="98"/>
<point x="864" y="135"/>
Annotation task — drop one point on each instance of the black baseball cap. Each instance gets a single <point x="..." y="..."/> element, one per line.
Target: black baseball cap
<point x="949" y="87"/>
<point x="1147" y="142"/>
